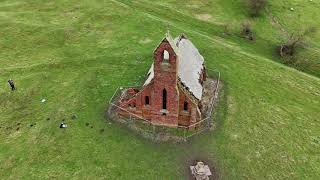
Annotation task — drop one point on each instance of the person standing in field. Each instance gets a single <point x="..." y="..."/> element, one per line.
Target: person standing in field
<point x="11" y="83"/>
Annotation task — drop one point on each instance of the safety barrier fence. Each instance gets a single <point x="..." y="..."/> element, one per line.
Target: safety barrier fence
<point x="158" y="132"/>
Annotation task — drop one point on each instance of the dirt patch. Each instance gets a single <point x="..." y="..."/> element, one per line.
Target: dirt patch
<point x="204" y="17"/>
<point x="145" y="129"/>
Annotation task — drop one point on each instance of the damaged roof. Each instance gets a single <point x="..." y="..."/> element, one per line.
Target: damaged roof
<point x="190" y="65"/>
<point x="150" y="76"/>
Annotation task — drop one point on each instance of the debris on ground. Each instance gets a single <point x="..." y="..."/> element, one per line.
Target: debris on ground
<point x="63" y="125"/>
<point x="43" y="100"/>
<point x="201" y="171"/>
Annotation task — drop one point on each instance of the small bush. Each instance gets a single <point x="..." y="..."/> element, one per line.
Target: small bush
<point x="256" y="7"/>
<point x="246" y="31"/>
<point x="288" y="49"/>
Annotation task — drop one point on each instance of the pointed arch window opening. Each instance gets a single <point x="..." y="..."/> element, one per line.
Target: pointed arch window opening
<point x="147" y="101"/>
<point x="166" y="56"/>
<point x="164" y="99"/>
<point x="185" y="106"/>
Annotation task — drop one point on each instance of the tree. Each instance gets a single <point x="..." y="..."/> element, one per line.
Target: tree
<point x="246" y="31"/>
<point x="296" y="40"/>
<point x="256" y="7"/>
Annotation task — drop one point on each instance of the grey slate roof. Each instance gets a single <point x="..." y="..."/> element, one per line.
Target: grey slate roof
<point x="190" y="65"/>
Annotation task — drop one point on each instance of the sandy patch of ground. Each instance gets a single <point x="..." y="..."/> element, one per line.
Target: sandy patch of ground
<point x="204" y="17"/>
<point x="145" y="41"/>
<point x="209" y="18"/>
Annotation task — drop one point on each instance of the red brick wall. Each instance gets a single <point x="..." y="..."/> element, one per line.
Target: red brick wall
<point x="143" y="107"/>
<point x="140" y="109"/>
<point x="185" y="116"/>
<point x="165" y="77"/>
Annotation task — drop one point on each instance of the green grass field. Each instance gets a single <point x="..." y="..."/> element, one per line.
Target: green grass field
<point x="76" y="53"/>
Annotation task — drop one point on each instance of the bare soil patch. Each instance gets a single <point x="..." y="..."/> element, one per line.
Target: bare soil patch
<point x="204" y="17"/>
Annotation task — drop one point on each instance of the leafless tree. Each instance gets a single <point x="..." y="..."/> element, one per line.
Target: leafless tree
<point x="296" y="40"/>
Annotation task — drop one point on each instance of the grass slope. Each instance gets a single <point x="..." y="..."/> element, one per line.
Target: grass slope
<point x="76" y="53"/>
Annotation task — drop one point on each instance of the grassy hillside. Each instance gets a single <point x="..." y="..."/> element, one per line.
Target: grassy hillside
<point x="272" y="29"/>
<point x="76" y="53"/>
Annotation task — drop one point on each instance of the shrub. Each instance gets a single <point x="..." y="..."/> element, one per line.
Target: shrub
<point x="288" y="49"/>
<point x="256" y="7"/>
<point x="246" y="31"/>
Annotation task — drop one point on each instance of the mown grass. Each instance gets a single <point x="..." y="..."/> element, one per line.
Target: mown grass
<point x="76" y="53"/>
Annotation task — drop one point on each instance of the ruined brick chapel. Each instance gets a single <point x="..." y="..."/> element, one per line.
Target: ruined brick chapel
<point x="172" y="92"/>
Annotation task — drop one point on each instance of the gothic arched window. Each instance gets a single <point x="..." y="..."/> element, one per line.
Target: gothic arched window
<point x="185" y="106"/>
<point x="146" y="100"/>
<point x="166" y="56"/>
<point x="164" y="99"/>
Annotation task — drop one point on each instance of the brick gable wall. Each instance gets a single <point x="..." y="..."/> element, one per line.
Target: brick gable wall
<point x="165" y="77"/>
